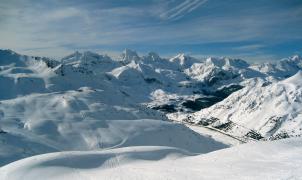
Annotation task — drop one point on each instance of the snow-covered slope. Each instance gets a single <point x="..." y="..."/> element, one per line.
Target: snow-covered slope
<point x="183" y="61"/>
<point x="128" y="56"/>
<point x="271" y="111"/>
<point x="266" y="160"/>
<point x="281" y="69"/>
<point x="87" y="101"/>
<point x="220" y="71"/>
<point x="19" y="76"/>
<point x="82" y="103"/>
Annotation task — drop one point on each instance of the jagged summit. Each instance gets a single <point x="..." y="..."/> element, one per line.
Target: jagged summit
<point x="293" y="58"/>
<point x="215" y="61"/>
<point x="183" y="60"/>
<point x="296" y="57"/>
<point x="227" y="62"/>
<point x="8" y="57"/>
<point x="72" y="57"/>
<point x="129" y="55"/>
<point x="87" y="58"/>
<point x="82" y="56"/>
<point x="281" y="69"/>
<point x="239" y="63"/>
<point x="153" y="56"/>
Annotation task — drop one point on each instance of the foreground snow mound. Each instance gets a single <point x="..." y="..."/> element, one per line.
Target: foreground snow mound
<point x="270" y="111"/>
<point x="265" y="160"/>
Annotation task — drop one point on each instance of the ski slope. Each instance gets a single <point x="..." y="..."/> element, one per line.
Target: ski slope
<point x="266" y="160"/>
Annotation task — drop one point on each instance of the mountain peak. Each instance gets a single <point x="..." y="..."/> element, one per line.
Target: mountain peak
<point x="8" y="56"/>
<point x="223" y="61"/>
<point x="153" y="56"/>
<point x="295" y="79"/>
<point x="183" y="60"/>
<point x="292" y="59"/>
<point x="72" y="57"/>
<point x="7" y="51"/>
<point x="215" y="61"/>
<point x="239" y="63"/>
<point x="180" y="55"/>
<point x="129" y="55"/>
<point x="296" y="57"/>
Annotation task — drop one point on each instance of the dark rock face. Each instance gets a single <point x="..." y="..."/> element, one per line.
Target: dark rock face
<point x="281" y="135"/>
<point x="167" y="108"/>
<point x="207" y="121"/>
<point x="226" y="91"/>
<point x="254" y="135"/>
<point x="219" y="75"/>
<point x="49" y="62"/>
<point x="211" y="99"/>
<point x="226" y="126"/>
<point x="201" y="103"/>
<point x="2" y="132"/>
<point x="152" y="80"/>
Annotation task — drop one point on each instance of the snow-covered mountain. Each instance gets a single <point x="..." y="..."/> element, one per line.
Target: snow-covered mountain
<point x="87" y="101"/>
<point x="83" y="102"/>
<point x="270" y="111"/>
<point x="281" y="69"/>
<point x="219" y="71"/>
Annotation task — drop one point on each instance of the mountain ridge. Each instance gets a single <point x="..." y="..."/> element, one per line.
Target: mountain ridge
<point x="106" y="103"/>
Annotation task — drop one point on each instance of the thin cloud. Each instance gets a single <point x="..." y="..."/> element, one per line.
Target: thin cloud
<point x="63" y="13"/>
<point x="182" y="9"/>
<point x="249" y="47"/>
<point x="72" y="25"/>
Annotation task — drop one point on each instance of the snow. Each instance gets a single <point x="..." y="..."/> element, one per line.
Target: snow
<point x="98" y="115"/>
<point x="128" y="56"/>
<point x="265" y="160"/>
<point x="217" y="136"/>
<point x="93" y="120"/>
<point x="284" y="68"/>
<point x="74" y="106"/>
<point x="271" y="110"/>
<point x="295" y="79"/>
<point x="183" y="61"/>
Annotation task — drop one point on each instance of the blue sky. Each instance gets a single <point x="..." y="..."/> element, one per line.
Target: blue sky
<point x="258" y="30"/>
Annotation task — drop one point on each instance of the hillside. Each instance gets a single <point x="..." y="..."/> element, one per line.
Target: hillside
<point x="266" y="160"/>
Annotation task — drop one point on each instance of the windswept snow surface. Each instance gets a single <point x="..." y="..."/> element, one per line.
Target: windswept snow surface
<point x="266" y="160"/>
